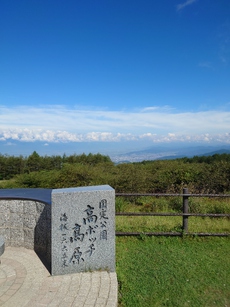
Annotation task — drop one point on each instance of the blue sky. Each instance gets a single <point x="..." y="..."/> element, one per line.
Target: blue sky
<point x="114" y="71"/>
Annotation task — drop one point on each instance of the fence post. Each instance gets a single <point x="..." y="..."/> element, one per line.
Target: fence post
<point x="185" y="210"/>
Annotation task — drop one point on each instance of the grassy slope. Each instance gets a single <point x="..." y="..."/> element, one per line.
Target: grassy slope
<point x="173" y="271"/>
<point x="170" y="224"/>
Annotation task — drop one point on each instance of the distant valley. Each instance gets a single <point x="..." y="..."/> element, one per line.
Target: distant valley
<point x="119" y="152"/>
<point x="158" y="153"/>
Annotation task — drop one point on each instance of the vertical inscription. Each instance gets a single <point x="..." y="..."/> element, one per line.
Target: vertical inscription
<point x="64" y="249"/>
<point x="103" y="219"/>
<point x="79" y="238"/>
<point x="91" y="222"/>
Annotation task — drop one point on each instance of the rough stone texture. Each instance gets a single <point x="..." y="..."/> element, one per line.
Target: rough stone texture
<point x="26" y="223"/>
<point x="2" y="246"/>
<point x="83" y="229"/>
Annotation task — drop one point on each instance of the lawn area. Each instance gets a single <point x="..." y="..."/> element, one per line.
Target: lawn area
<point x="171" y="224"/>
<point x="173" y="271"/>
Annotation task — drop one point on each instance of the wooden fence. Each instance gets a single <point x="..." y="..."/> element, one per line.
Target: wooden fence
<point x="184" y="214"/>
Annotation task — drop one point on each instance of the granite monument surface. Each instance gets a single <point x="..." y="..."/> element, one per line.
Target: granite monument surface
<point x="2" y="246"/>
<point x="83" y="229"/>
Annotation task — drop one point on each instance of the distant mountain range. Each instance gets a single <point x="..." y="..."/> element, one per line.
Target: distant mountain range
<point x="119" y="152"/>
<point x="163" y="153"/>
<point x="221" y="151"/>
<point x="218" y="152"/>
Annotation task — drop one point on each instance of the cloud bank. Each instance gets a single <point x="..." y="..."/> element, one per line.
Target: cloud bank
<point x="49" y="136"/>
<point x="61" y="124"/>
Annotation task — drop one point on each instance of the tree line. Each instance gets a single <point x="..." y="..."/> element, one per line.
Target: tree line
<point x="200" y="174"/>
<point x="13" y="165"/>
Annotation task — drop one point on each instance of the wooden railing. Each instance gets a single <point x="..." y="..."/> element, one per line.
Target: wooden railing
<point x="184" y="214"/>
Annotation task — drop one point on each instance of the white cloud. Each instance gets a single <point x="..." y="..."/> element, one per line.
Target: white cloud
<point x="60" y="124"/>
<point x="155" y="108"/>
<point x="65" y="137"/>
<point x="183" y="5"/>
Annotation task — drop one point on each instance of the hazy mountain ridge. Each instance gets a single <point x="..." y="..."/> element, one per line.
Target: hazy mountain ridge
<point x="118" y="152"/>
<point x="155" y="154"/>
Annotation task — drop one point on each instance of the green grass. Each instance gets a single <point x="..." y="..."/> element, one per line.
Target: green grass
<point x="169" y="223"/>
<point x="172" y="204"/>
<point x="7" y="184"/>
<point x="155" y="272"/>
<point x="161" y="271"/>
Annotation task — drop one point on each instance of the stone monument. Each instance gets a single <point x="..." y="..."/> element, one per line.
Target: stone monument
<point x="83" y="229"/>
<point x="2" y="246"/>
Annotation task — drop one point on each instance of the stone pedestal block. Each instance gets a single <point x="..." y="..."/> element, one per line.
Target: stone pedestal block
<point x="83" y="230"/>
<point x="2" y="246"/>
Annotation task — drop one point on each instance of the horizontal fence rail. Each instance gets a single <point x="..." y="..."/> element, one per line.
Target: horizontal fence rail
<point x="185" y="214"/>
<point x="173" y="214"/>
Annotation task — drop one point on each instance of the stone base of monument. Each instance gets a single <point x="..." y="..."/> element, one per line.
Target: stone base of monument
<point x="83" y="230"/>
<point x="2" y="246"/>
